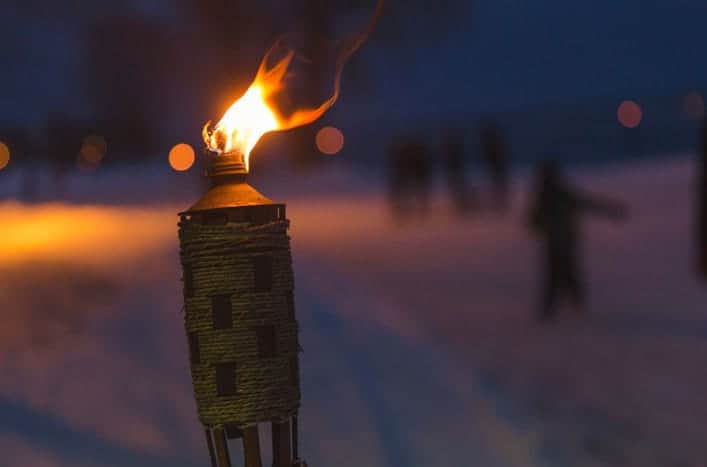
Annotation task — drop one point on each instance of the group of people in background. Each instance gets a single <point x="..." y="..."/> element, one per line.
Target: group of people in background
<point x="554" y="215"/>
<point x="411" y="168"/>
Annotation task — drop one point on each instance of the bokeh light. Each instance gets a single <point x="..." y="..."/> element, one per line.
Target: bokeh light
<point x="694" y="106"/>
<point x="4" y="155"/>
<point x="181" y="157"/>
<point x="92" y="152"/>
<point x="94" y="149"/>
<point x="330" y="140"/>
<point x="630" y="114"/>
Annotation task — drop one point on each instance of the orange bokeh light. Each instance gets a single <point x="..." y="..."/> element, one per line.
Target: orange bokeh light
<point x="4" y="155"/>
<point x="93" y="149"/>
<point x="630" y="114"/>
<point x="330" y="140"/>
<point x="181" y="157"/>
<point x="92" y="152"/>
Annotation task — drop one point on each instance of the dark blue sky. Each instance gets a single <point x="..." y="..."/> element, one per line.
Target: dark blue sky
<point x="503" y="54"/>
<point x="514" y="53"/>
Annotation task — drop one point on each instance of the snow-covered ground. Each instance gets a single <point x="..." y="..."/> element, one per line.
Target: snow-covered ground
<point x="419" y="346"/>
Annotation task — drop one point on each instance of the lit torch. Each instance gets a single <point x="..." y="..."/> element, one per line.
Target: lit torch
<point x="238" y="279"/>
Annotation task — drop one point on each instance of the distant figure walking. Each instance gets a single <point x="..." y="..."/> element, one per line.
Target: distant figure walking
<point x="410" y="177"/>
<point x="463" y="196"/>
<point x="64" y="138"/>
<point x="496" y="161"/>
<point x="555" y="216"/>
<point x="702" y="206"/>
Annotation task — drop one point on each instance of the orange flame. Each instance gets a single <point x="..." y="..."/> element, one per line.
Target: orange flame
<point x="256" y="112"/>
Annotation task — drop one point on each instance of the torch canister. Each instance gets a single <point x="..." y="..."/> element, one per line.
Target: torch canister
<point x="240" y="316"/>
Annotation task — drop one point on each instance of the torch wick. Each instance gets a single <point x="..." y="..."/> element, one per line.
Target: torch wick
<point x="227" y="167"/>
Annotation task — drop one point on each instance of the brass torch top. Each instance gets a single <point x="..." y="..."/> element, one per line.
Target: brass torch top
<point x="229" y="189"/>
<point x="225" y="165"/>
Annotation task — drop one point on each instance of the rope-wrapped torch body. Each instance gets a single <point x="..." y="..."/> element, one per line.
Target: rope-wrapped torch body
<point x="239" y="314"/>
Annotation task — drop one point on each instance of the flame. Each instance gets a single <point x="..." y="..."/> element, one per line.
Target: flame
<point x="256" y="112"/>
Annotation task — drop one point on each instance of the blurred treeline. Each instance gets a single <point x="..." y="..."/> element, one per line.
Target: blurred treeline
<point x="151" y="80"/>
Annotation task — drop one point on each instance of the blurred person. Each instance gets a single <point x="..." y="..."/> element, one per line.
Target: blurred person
<point x="64" y="137"/>
<point x="21" y="148"/>
<point x="702" y="205"/>
<point x="420" y="167"/>
<point x="409" y="177"/>
<point x="463" y="196"/>
<point x="555" y="217"/>
<point x="397" y="182"/>
<point x="495" y="158"/>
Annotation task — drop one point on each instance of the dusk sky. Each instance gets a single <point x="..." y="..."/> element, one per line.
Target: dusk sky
<point x="501" y="54"/>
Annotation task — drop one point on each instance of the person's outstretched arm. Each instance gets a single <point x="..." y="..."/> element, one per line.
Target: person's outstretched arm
<point x="611" y="209"/>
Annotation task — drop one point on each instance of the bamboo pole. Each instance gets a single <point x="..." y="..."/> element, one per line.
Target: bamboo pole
<point x="224" y="460"/>
<point x="210" y="444"/>
<point x="295" y="438"/>
<point x="251" y="447"/>
<point x="281" y="440"/>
